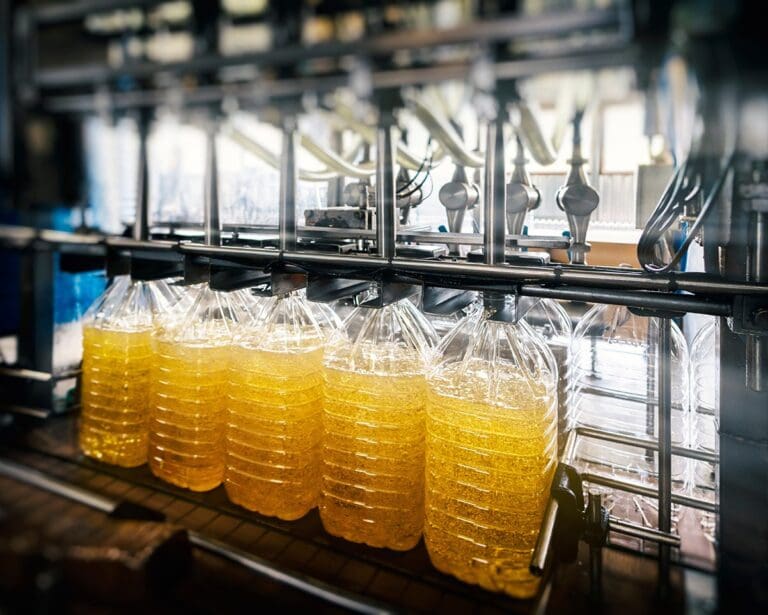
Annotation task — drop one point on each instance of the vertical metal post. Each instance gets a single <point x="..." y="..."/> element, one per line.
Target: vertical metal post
<point x="757" y="346"/>
<point x="386" y="230"/>
<point x="595" y="551"/>
<point x="336" y="185"/>
<point x="211" y="220"/>
<point x="664" y="379"/>
<point x="141" y="224"/>
<point x="288" y="185"/>
<point x="494" y="198"/>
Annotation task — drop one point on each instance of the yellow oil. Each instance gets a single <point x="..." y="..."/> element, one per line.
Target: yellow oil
<point x="115" y="400"/>
<point x="186" y="427"/>
<point x="488" y="474"/>
<point x="273" y="425"/>
<point x="373" y="457"/>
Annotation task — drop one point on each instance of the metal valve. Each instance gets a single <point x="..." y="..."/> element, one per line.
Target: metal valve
<point x="577" y="198"/>
<point x="522" y="195"/>
<point x="457" y="196"/>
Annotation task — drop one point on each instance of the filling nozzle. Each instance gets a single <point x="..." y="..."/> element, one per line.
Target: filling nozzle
<point x="577" y="198"/>
<point x="522" y="195"/>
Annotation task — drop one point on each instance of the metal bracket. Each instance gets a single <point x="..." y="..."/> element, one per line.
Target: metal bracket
<point x="750" y="315"/>
<point x="438" y="300"/>
<point x="325" y="289"/>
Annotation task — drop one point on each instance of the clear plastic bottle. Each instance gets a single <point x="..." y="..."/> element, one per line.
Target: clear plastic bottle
<point x="550" y="320"/>
<point x="491" y="451"/>
<point x="373" y="426"/>
<point x="705" y="394"/>
<point x="614" y="380"/>
<point x="189" y="388"/>
<point x="274" y="411"/>
<point x="117" y="355"/>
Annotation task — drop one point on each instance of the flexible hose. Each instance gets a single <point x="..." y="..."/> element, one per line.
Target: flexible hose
<point x="335" y="162"/>
<point x="445" y="134"/>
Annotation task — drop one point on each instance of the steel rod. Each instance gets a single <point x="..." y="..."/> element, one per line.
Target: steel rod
<point x="305" y="584"/>
<point x="288" y="185"/>
<point x="678" y="451"/>
<point x="30" y="476"/>
<point x="386" y="225"/>
<point x="643" y="533"/>
<point x="664" y="380"/>
<point x="649" y="492"/>
<point x="211" y="219"/>
<point x="609" y="55"/>
<point x="141" y="223"/>
<point x="505" y="28"/>
<point x="494" y="200"/>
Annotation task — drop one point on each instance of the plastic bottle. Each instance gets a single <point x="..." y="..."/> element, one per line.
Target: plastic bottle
<point x="373" y="426"/>
<point x="274" y="411"/>
<point x="189" y="388"/>
<point x="550" y="320"/>
<point x="491" y="450"/>
<point x="614" y="380"/>
<point x="117" y="355"/>
<point x="705" y="405"/>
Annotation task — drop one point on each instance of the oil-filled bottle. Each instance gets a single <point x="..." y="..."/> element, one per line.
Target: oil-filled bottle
<point x="491" y="450"/>
<point x="274" y="410"/>
<point x="117" y="355"/>
<point x="550" y="320"/>
<point x="373" y="426"/>
<point x="189" y="388"/>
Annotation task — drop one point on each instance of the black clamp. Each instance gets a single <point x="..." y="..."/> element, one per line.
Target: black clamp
<point x="575" y="521"/>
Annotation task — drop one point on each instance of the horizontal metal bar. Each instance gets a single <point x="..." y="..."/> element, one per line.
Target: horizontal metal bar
<point x="555" y="24"/>
<point x="62" y="12"/>
<point x="36" y="413"/>
<point x="678" y="451"/>
<point x="644" y="533"/>
<point x="30" y="476"/>
<point x="255" y="94"/>
<point x="600" y="285"/>
<point x="624" y="396"/>
<point x="308" y="585"/>
<point x="25" y="374"/>
<point x="649" y="492"/>
<point x="666" y="303"/>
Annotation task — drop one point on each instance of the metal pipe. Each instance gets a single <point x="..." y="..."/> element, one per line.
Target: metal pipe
<point x="386" y="204"/>
<point x="33" y="477"/>
<point x="530" y="27"/>
<point x="495" y="187"/>
<point x="757" y="345"/>
<point x="617" y="297"/>
<point x="308" y="585"/>
<point x="643" y="533"/>
<point x="678" y="451"/>
<point x="141" y="223"/>
<point x="649" y="492"/>
<point x="664" y="380"/>
<point x="288" y="183"/>
<point x="211" y="219"/>
<point x="543" y="547"/>
<point x="595" y="550"/>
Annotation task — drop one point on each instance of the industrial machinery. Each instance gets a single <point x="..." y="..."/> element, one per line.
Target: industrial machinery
<point x="453" y="155"/>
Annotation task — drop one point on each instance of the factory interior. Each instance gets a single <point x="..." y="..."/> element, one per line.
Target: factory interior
<point x="431" y="306"/>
